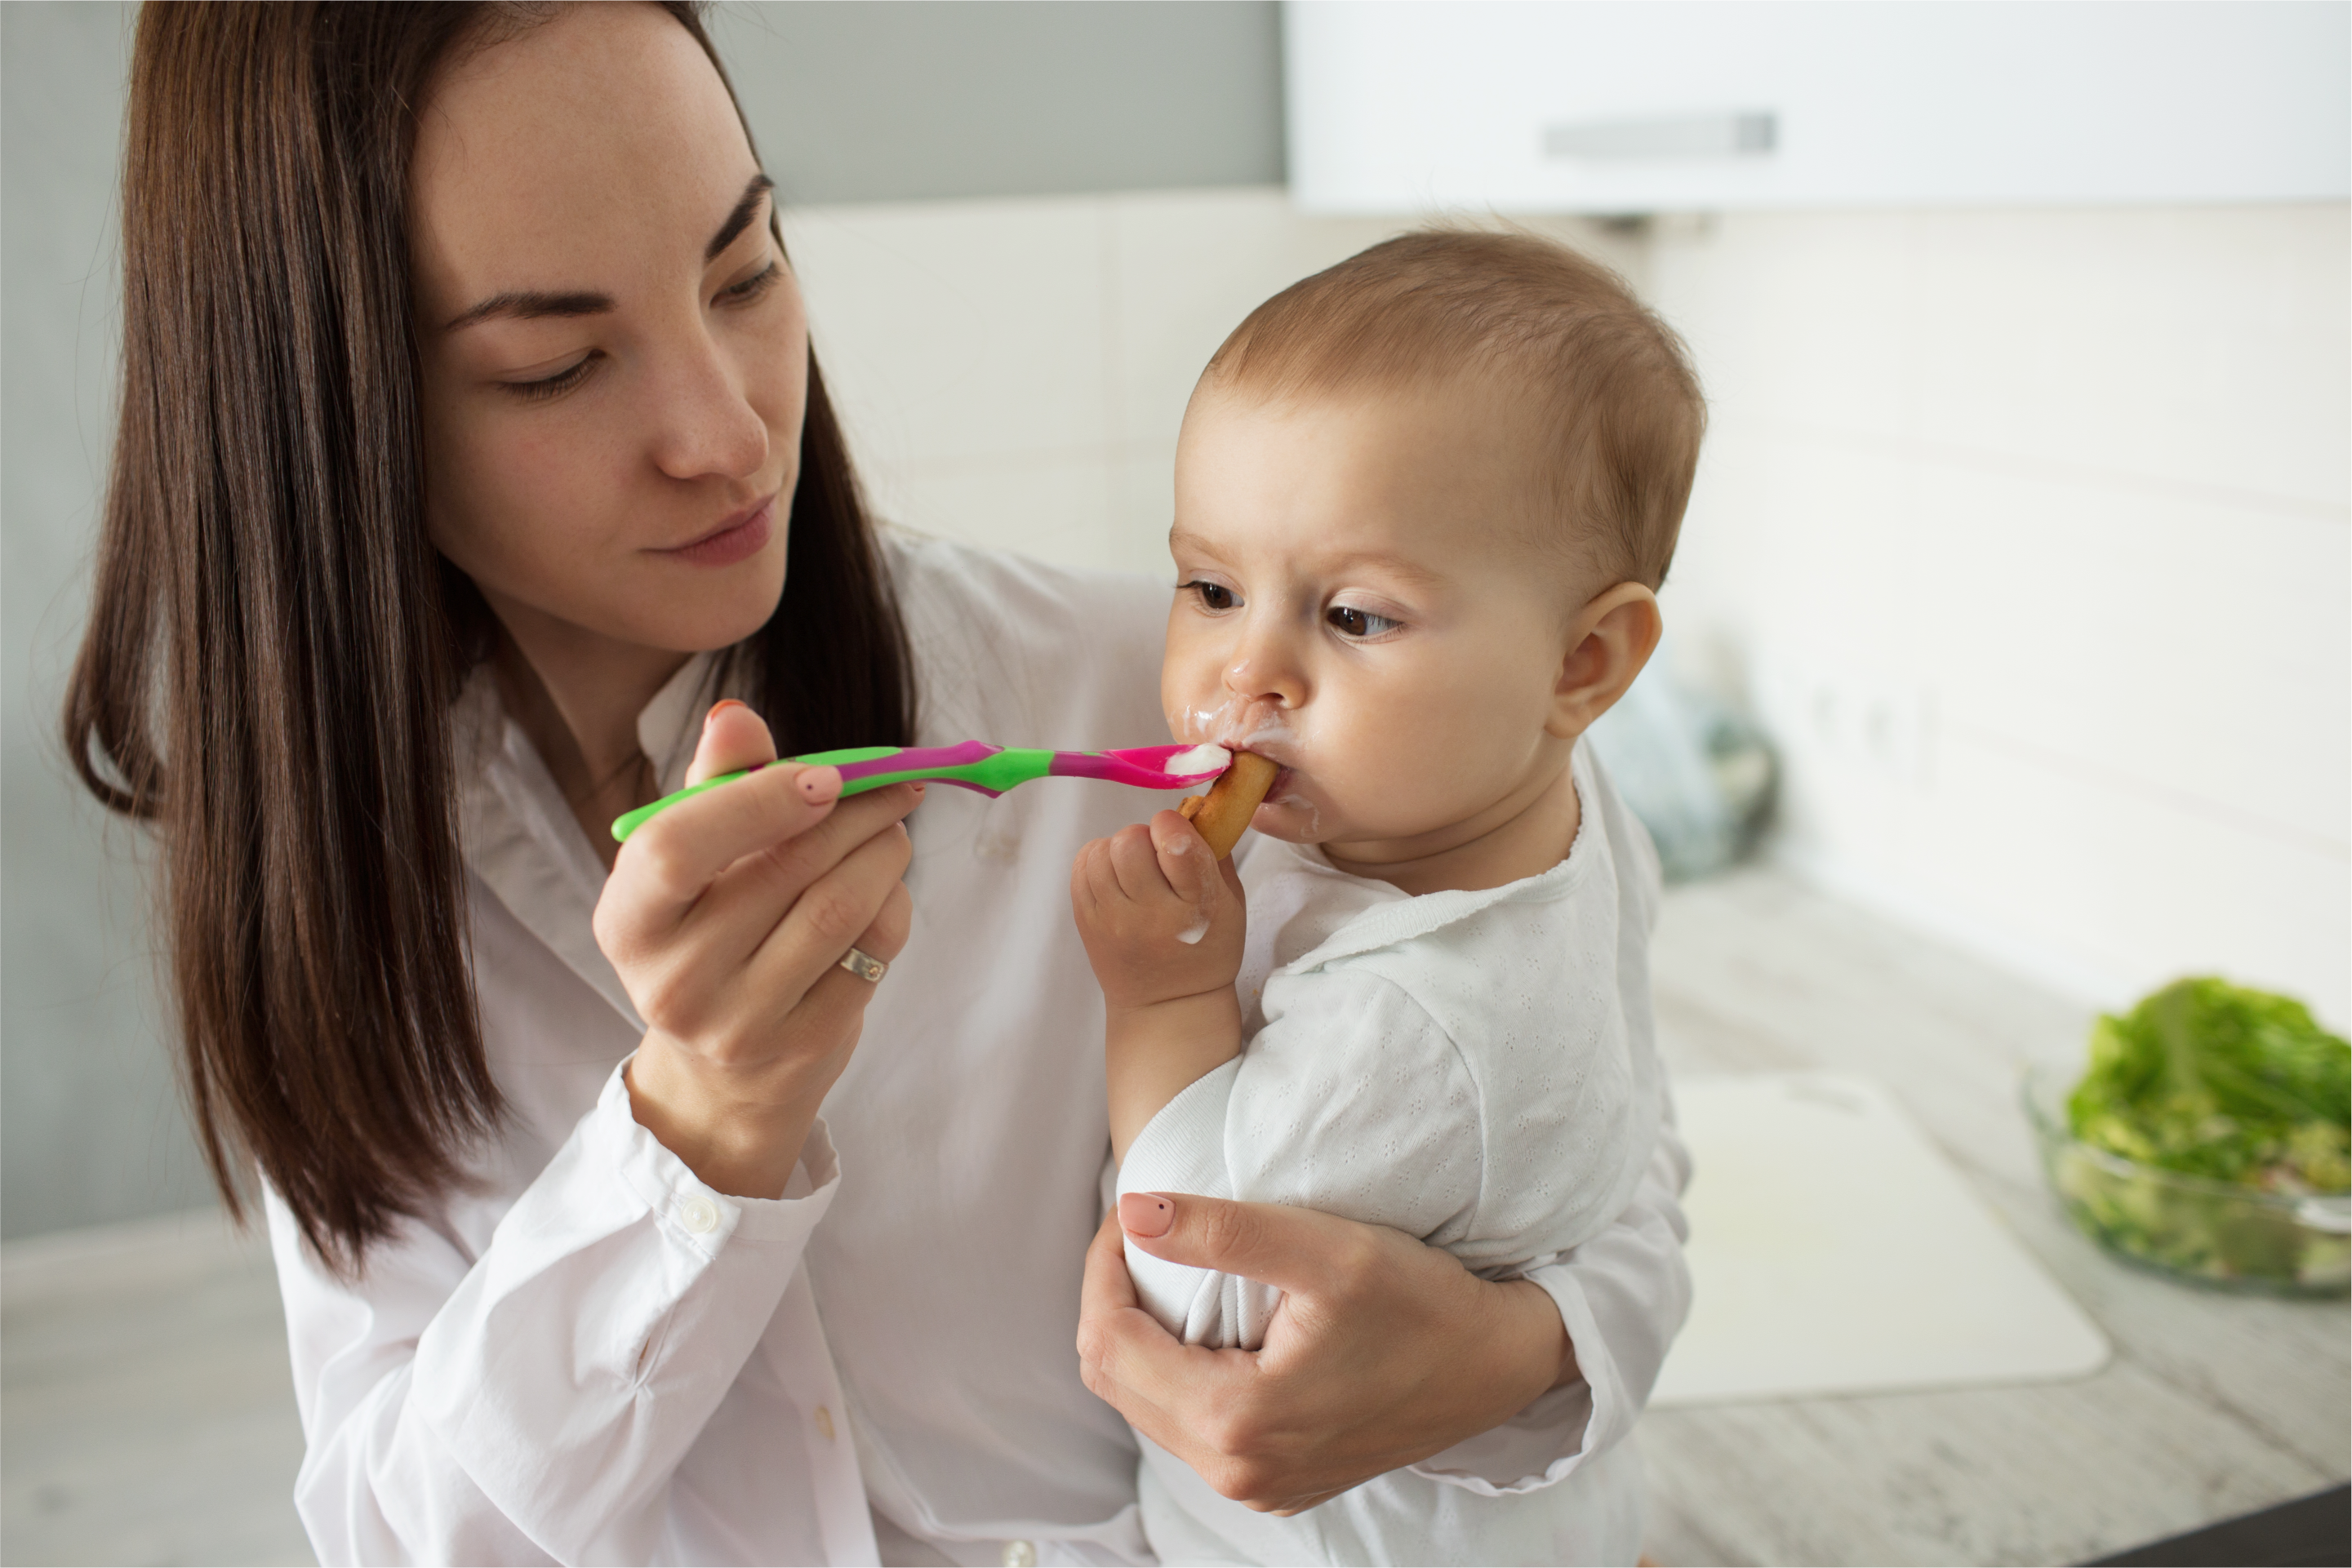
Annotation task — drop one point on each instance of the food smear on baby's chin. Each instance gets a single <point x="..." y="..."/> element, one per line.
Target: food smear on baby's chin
<point x="1301" y="803"/>
<point x="1205" y="758"/>
<point x="1191" y="935"/>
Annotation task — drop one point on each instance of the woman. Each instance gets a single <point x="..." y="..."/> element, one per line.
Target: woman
<point x="470" y="449"/>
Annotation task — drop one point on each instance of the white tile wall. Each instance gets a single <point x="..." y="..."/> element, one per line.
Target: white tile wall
<point x="2029" y="532"/>
<point x="1012" y="372"/>
<point x="2064" y="499"/>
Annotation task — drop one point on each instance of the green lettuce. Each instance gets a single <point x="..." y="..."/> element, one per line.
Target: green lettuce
<point x="2218" y="1081"/>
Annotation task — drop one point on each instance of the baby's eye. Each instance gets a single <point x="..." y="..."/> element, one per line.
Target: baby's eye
<point x="1357" y="623"/>
<point x="1212" y="595"/>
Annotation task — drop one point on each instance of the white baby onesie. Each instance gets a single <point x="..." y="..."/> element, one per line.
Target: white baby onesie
<point x="1474" y="1069"/>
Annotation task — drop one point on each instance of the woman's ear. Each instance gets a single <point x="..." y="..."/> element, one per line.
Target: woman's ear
<point x="1610" y="640"/>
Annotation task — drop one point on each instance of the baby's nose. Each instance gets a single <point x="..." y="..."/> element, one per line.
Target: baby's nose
<point x="1260" y="677"/>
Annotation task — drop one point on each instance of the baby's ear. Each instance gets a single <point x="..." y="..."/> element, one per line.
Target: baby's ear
<point x="1611" y="638"/>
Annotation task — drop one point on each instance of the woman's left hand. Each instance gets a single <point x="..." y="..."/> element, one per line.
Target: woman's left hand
<point x="1385" y="1352"/>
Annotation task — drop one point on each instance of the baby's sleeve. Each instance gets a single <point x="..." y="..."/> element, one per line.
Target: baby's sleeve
<point x="1622" y="1297"/>
<point x="1351" y="1100"/>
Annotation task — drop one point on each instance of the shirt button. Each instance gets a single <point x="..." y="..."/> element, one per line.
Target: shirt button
<point x="698" y="1214"/>
<point x="825" y="1422"/>
<point x="1019" y="1554"/>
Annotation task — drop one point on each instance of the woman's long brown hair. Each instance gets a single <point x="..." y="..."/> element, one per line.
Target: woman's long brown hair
<point x="274" y="645"/>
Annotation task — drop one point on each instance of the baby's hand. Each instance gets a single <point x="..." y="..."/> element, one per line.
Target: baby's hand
<point x="1160" y="917"/>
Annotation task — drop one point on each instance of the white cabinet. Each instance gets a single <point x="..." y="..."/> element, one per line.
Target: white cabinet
<point x="1634" y="106"/>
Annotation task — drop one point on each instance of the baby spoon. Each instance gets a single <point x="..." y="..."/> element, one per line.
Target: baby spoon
<point x="976" y="765"/>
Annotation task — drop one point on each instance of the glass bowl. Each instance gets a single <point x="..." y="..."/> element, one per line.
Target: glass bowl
<point x="2209" y="1232"/>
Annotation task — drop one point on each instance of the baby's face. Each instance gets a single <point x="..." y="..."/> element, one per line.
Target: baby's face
<point x="1358" y="601"/>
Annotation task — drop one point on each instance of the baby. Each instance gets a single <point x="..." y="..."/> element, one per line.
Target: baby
<point x="1423" y="500"/>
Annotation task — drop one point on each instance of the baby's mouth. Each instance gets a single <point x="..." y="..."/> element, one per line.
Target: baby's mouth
<point x="1275" y="754"/>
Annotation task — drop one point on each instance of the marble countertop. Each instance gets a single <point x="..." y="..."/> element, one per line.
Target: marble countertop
<point x="2213" y="1404"/>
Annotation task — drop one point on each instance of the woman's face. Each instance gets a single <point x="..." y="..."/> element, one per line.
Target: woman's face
<point x="614" y="355"/>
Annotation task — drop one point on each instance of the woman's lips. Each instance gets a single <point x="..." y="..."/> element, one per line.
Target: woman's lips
<point x="737" y="539"/>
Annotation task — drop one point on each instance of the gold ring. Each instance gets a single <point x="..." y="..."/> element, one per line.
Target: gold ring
<point x="865" y="965"/>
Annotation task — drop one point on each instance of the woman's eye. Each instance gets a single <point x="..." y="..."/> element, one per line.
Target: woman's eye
<point x="753" y="287"/>
<point x="1212" y="596"/>
<point x="561" y="381"/>
<point x="1357" y="623"/>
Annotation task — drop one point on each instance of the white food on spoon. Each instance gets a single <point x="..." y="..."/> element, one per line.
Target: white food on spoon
<point x="1200" y="759"/>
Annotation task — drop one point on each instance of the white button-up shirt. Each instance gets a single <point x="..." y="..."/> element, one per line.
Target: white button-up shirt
<point x="1472" y="1067"/>
<point x="586" y="1355"/>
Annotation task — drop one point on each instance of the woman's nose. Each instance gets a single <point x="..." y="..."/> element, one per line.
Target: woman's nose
<point x="708" y="424"/>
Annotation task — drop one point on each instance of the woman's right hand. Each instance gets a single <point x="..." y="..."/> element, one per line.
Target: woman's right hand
<point x="727" y="917"/>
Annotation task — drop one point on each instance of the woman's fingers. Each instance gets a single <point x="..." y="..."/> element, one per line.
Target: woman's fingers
<point x="833" y="1008"/>
<point x="1293" y="1250"/>
<point x="831" y="1012"/>
<point x="1206" y="1406"/>
<point x="1109" y="1286"/>
<point x="887" y="937"/>
<point x="803" y="949"/>
<point x="669" y="861"/>
<point x="728" y="915"/>
<point x="1174" y="1393"/>
<point x="1122" y="1350"/>
<point x="1385" y="1352"/>
<point x="750" y="897"/>
<point x="706" y="888"/>
<point x="733" y="738"/>
<point x="745" y="960"/>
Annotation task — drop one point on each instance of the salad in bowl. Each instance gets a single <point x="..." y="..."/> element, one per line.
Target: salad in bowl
<point x="2210" y="1137"/>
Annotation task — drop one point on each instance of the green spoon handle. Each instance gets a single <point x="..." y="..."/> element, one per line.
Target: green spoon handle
<point x="974" y="765"/>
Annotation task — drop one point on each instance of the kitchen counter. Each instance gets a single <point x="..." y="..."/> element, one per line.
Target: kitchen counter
<point x="2213" y="1406"/>
<point x="148" y="1415"/>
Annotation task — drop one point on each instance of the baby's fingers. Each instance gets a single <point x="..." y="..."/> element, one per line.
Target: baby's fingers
<point x="1091" y="880"/>
<point x="1134" y="860"/>
<point x="1185" y="862"/>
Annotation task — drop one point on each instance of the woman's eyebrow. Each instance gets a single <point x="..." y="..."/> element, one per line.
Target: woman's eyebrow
<point x="529" y="305"/>
<point x="741" y="218"/>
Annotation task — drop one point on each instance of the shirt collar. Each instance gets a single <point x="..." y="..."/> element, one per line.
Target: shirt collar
<point x="671" y="725"/>
<point x="519" y="835"/>
<point x="1402" y="916"/>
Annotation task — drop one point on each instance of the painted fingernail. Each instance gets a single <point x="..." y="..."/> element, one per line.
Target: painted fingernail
<point x="1145" y="1214"/>
<point x="718" y="707"/>
<point x="818" y="785"/>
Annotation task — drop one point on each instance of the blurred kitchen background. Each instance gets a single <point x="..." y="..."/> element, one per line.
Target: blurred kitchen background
<point x="2023" y="539"/>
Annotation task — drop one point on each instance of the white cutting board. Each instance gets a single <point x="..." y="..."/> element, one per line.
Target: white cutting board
<point x="1834" y="1250"/>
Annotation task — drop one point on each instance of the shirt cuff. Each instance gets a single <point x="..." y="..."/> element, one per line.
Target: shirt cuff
<point x="688" y="1210"/>
<point x="1548" y="1440"/>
